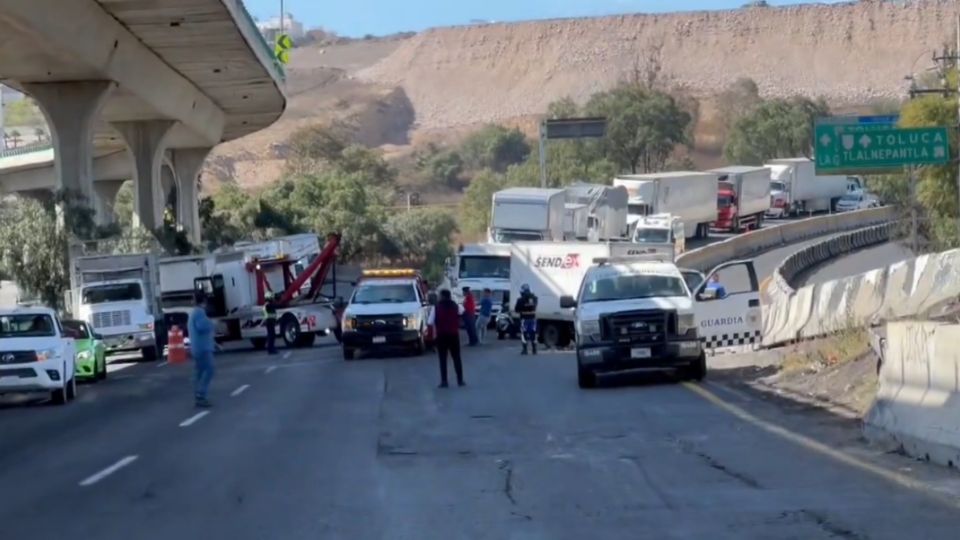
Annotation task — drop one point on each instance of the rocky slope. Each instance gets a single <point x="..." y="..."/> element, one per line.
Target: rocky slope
<point x="849" y="53"/>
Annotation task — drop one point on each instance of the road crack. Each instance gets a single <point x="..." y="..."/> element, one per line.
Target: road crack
<point x="507" y="467"/>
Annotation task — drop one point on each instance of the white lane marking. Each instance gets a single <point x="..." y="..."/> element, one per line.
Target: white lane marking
<point x="270" y="370"/>
<point x="240" y="390"/>
<point x="161" y="364"/>
<point x="113" y="368"/>
<point x="286" y="355"/>
<point x="193" y="419"/>
<point x="108" y="471"/>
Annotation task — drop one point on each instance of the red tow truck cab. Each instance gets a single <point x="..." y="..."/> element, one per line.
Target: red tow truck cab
<point x="726" y="207"/>
<point x="743" y="197"/>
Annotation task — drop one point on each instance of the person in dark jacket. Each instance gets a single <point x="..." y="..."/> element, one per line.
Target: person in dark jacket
<point x="270" y="321"/>
<point x="526" y="307"/>
<point x="446" y="321"/>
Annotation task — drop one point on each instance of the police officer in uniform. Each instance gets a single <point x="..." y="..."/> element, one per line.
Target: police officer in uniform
<point x="526" y="307"/>
<point x="270" y="321"/>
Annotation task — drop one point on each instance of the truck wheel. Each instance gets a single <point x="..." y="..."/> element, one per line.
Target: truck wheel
<point x="290" y="330"/>
<point x="72" y="389"/>
<point x="338" y="333"/>
<point x="349" y="354"/>
<point x="551" y="335"/>
<point x="419" y="347"/>
<point x="501" y="335"/>
<point x="258" y="343"/>
<point x="306" y="340"/>
<point x="697" y="371"/>
<point x="149" y="354"/>
<point x="59" y="396"/>
<point x="586" y="378"/>
<point x="565" y="338"/>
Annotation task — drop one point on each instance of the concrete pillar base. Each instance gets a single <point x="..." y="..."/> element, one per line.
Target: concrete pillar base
<point x="146" y="143"/>
<point x="105" y="192"/>
<point x="187" y="163"/>
<point x="71" y="110"/>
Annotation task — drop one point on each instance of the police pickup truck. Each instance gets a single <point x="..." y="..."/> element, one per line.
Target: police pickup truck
<point x="388" y="309"/>
<point x="642" y="315"/>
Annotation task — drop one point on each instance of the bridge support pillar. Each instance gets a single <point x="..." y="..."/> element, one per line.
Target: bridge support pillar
<point x="105" y="192"/>
<point x="71" y="110"/>
<point x="146" y="144"/>
<point x="187" y="162"/>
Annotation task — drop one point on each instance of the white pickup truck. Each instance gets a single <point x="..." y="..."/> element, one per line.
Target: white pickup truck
<point x="641" y="316"/>
<point x="37" y="354"/>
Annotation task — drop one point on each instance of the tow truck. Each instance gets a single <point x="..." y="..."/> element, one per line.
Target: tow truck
<point x="388" y="309"/>
<point x="293" y="269"/>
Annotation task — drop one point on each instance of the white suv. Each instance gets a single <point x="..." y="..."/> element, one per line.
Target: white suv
<point x="36" y="354"/>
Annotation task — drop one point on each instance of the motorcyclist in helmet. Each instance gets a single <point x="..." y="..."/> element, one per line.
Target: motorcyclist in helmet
<point x="526" y="307"/>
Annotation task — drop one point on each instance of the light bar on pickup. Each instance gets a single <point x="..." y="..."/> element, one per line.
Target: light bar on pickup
<point x="391" y="272"/>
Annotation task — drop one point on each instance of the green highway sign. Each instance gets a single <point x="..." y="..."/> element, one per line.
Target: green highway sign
<point x="859" y="148"/>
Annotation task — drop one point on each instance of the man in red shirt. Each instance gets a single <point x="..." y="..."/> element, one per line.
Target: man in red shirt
<point x="470" y="315"/>
<point x="446" y="321"/>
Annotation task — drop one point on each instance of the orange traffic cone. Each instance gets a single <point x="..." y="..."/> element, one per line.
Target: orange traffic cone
<point x="176" y="350"/>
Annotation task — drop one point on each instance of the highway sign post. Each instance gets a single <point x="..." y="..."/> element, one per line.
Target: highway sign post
<point x="567" y="128"/>
<point x="863" y="148"/>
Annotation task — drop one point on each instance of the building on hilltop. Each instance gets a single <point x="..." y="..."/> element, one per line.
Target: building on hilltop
<point x="271" y="28"/>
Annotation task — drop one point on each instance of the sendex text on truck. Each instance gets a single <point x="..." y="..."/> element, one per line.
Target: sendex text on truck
<point x="743" y="196"/>
<point x="119" y="297"/>
<point x="691" y="196"/>
<point x="527" y="214"/>
<point x="555" y="269"/>
<point x="796" y="188"/>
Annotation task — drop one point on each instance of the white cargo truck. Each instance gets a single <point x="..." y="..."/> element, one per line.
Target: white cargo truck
<point x="660" y="233"/>
<point x="743" y="197"/>
<point x="607" y="210"/>
<point x="481" y="266"/>
<point x="119" y="297"/>
<point x="575" y="221"/>
<point x="690" y="196"/>
<point x="555" y="269"/>
<point x="527" y="214"/>
<point x="795" y="188"/>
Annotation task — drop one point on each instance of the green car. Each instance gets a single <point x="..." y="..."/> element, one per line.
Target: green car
<point x="91" y="362"/>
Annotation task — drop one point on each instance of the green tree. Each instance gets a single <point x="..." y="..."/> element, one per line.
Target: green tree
<point x="23" y="113"/>
<point x="937" y="187"/>
<point x="736" y="101"/>
<point x="445" y="168"/>
<point x="774" y="129"/>
<point x="421" y="237"/>
<point x="495" y="147"/>
<point x="33" y="250"/>
<point x="643" y="126"/>
<point x="477" y="201"/>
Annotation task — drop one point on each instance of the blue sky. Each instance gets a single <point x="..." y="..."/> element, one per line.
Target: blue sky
<point x="379" y="17"/>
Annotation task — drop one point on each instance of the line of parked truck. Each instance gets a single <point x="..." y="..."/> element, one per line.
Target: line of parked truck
<point x="548" y="238"/>
<point x="131" y="300"/>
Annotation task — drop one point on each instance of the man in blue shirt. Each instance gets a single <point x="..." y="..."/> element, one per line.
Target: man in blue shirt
<point x="719" y="291"/>
<point x="486" y="311"/>
<point x="201" y="348"/>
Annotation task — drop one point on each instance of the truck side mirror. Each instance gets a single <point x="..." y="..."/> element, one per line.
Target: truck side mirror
<point x="707" y="294"/>
<point x="568" y="302"/>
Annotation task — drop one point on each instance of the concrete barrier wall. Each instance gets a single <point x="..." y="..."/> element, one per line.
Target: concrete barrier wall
<point x="918" y="397"/>
<point x="751" y="243"/>
<point x="854" y="301"/>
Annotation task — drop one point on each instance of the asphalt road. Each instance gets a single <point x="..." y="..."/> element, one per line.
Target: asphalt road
<point x="315" y="447"/>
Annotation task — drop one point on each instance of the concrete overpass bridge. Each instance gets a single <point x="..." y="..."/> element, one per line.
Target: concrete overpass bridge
<point x="135" y="89"/>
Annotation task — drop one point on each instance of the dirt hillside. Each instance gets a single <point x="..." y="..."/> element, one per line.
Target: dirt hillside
<point x="849" y="53"/>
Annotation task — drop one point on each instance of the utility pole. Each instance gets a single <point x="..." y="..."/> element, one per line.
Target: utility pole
<point x="281" y="16"/>
<point x="956" y="66"/>
<point x="543" y="153"/>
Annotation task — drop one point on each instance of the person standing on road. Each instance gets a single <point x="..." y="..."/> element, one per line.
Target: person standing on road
<point x="270" y="321"/>
<point x="446" y="320"/>
<point x="470" y="315"/>
<point x="201" y="331"/>
<point x="486" y="311"/>
<point x="527" y="309"/>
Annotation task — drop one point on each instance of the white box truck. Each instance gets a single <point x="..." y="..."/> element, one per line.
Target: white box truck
<point x="527" y="214"/>
<point x="555" y="269"/>
<point x="119" y="297"/>
<point x="795" y="187"/>
<point x="659" y="233"/>
<point x="481" y="266"/>
<point x="607" y="209"/>
<point x="575" y="221"/>
<point x="690" y="196"/>
<point x="743" y="197"/>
